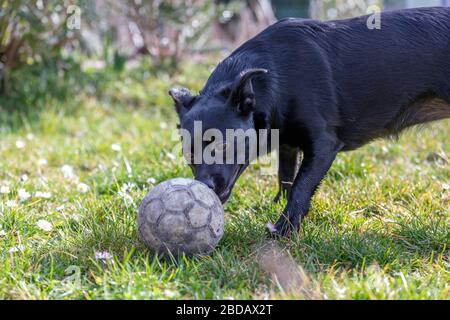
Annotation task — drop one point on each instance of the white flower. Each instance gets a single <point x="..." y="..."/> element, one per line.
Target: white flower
<point x="66" y="169"/>
<point x="45" y="195"/>
<point x="68" y="172"/>
<point x="24" y="178"/>
<point x="20" y="144"/>
<point x="170" y="293"/>
<point x="11" y="204"/>
<point x="103" y="255"/>
<point x="163" y="125"/>
<point x="82" y="188"/>
<point x="16" y="249"/>
<point x="30" y="136"/>
<point x="446" y="186"/>
<point x="2" y="233"/>
<point x="127" y="186"/>
<point x="4" y="189"/>
<point x="44" y="225"/>
<point x="116" y="147"/>
<point x="23" y="194"/>
<point x="151" y="180"/>
<point x="171" y="155"/>
<point x="42" y="162"/>
<point x="61" y="208"/>
<point x="123" y="192"/>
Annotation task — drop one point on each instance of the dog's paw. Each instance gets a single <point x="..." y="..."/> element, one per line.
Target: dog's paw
<point x="283" y="228"/>
<point x="278" y="230"/>
<point x="272" y="231"/>
<point x="271" y="228"/>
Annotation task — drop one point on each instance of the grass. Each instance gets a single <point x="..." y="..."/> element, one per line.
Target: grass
<point x="378" y="228"/>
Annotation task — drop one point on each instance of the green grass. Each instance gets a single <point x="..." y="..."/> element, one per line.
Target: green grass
<point x="378" y="227"/>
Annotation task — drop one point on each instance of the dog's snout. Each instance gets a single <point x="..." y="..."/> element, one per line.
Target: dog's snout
<point x="210" y="183"/>
<point x="214" y="182"/>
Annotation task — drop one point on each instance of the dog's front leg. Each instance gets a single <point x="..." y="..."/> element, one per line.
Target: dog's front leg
<point x="316" y="162"/>
<point x="288" y="165"/>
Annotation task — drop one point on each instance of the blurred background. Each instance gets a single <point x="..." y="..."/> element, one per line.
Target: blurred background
<point x="58" y="49"/>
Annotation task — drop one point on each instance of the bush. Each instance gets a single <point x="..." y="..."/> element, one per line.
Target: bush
<point x="32" y="33"/>
<point x="42" y="57"/>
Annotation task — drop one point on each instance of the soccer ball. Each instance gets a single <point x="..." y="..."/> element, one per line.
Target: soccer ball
<point x="181" y="216"/>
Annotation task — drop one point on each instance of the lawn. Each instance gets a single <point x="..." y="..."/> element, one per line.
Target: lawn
<point x="73" y="173"/>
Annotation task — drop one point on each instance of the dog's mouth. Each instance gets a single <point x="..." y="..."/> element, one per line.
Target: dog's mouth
<point x="225" y="194"/>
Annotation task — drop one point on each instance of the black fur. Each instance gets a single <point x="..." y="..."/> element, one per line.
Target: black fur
<point x="330" y="87"/>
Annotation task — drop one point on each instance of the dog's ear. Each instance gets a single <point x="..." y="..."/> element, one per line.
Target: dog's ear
<point x="183" y="100"/>
<point x="241" y="92"/>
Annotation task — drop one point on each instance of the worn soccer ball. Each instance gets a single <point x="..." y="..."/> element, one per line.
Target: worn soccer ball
<point x="181" y="216"/>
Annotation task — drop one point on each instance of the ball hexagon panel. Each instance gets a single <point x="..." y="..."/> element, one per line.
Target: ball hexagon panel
<point x="177" y="199"/>
<point x="200" y="194"/>
<point x="173" y="227"/>
<point x="148" y="236"/>
<point x="156" y="208"/>
<point x="198" y="216"/>
<point x="203" y="241"/>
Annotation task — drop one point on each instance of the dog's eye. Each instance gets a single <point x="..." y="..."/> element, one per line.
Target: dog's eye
<point x="221" y="147"/>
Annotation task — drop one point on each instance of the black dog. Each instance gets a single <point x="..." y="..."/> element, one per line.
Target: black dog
<point x="328" y="87"/>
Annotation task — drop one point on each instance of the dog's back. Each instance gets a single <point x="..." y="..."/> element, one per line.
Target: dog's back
<point x="394" y="77"/>
<point x="366" y="82"/>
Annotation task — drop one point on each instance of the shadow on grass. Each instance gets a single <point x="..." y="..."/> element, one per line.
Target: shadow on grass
<point x="326" y="241"/>
<point x="396" y="249"/>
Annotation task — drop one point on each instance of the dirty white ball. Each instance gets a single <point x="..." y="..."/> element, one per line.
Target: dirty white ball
<point x="181" y="216"/>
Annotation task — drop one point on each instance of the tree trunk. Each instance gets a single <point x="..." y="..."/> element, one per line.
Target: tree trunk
<point x="255" y="17"/>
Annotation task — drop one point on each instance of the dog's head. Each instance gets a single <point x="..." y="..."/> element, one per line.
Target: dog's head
<point x="216" y="157"/>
